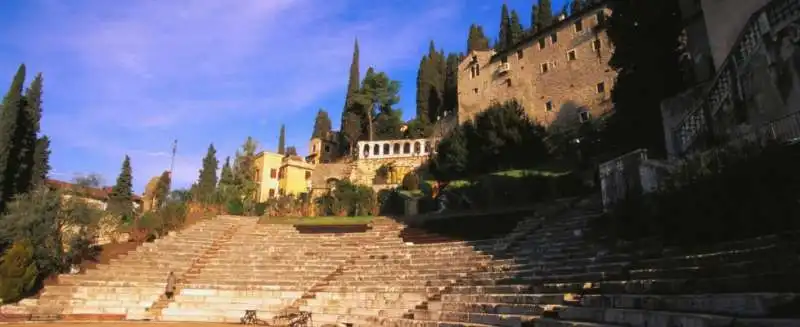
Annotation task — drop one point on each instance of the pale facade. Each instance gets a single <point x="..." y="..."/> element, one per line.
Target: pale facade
<point x="295" y="176"/>
<point x="267" y="166"/>
<point x="559" y="74"/>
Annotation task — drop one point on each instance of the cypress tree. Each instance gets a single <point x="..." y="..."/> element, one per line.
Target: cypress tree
<point x="41" y="161"/>
<point x="515" y="29"/>
<point x="226" y="175"/>
<point x="576" y="6"/>
<point x="353" y="85"/>
<point x="422" y="92"/>
<point x="451" y="83"/>
<point x="322" y="124"/>
<point x="207" y="183"/>
<point x="12" y="105"/>
<point x="476" y="40"/>
<point x="535" y="18"/>
<point x="544" y="16"/>
<point x="162" y="188"/>
<point x="27" y="132"/>
<point x="282" y="140"/>
<point x="120" y="200"/>
<point x="504" y="37"/>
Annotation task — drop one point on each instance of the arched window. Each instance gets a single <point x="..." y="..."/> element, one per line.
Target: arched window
<point x="386" y="148"/>
<point x="366" y="148"/>
<point x="427" y="146"/>
<point x="396" y="148"/>
<point x="417" y="147"/>
<point x="376" y="149"/>
<point x="407" y="148"/>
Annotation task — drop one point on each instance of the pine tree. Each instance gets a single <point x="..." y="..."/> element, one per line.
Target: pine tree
<point x="13" y="103"/>
<point x="544" y="16"/>
<point x="244" y="171"/>
<point x="504" y="37"/>
<point x="378" y="96"/>
<point x="120" y="200"/>
<point x="207" y="182"/>
<point x="646" y="54"/>
<point x="322" y="125"/>
<point x="27" y="134"/>
<point x="515" y="29"/>
<point x="353" y="85"/>
<point x="41" y="161"/>
<point x="282" y="140"/>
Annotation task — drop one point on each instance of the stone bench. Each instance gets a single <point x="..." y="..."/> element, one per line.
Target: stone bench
<point x="741" y="304"/>
<point x="371" y="296"/>
<point x="247" y="287"/>
<point x="506" y="320"/>
<point x="211" y="315"/>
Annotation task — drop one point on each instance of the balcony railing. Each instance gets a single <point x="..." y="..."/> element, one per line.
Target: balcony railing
<point x="725" y="87"/>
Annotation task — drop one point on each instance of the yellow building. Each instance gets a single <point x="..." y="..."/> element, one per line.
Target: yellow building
<point x="278" y="175"/>
<point x="323" y="149"/>
<point x="268" y="165"/>
<point x="295" y="176"/>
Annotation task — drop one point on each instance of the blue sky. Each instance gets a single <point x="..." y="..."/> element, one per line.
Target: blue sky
<point x="128" y="77"/>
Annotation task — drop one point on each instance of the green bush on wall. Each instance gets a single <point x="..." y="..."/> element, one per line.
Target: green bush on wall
<point x="18" y="272"/>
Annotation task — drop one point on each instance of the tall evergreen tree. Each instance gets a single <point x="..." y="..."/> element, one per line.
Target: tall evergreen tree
<point x="535" y="26"/>
<point x="322" y="125"/>
<point x="282" y="140"/>
<point x="27" y="134"/>
<point x="451" y="83"/>
<point x="41" y="161"/>
<point x="162" y="189"/>
<point x="353" y="85"/>
<point x="207" y="182"/>
<point x="504" y="37"/>
<point x="576" y="6"/>
<point x="515" y="29"/>
<point x="545" y="14"/>
<point x="226" y="174"/>
<point x="645" y="36"/>
<point x="13" y="103"/>
<point x="244" y="170"/>
<point x="120" y="200"/>
<point x="476" y="40"/>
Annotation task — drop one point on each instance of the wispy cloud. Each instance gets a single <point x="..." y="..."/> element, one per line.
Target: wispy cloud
<point x="134" y="74"/>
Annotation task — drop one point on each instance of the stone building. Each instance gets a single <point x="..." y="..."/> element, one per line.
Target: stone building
<point x="559" y="74"/>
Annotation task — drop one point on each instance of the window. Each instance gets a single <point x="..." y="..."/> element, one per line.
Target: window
<point x="584" y="116"/>
<point x="596" y="45"/>
<point x="273" y="173"/>
<point x="477" y="70"/>
<point x="272" y="192"/>
<point x="571" y="55"/>
<point x="308" y="175"/>
<point x="386" y="149"/>
<point x="541" y="44"/>
<point x="548" y="106"/>
<point x="545" y="68"/>
<point x="314" y="148"/>
<point x="508" y="82"/>
<point x="327" y="148"/>
<point x="471" y="71"/>
<point x="554" y="38"/>
<point x="578" y="26"/>
<point x="601" y="87"/>
<point x="504" y="59"/>
<point x="600" y="17"/>
<point x="519" y="54"/>
<point x="475" y="90"/>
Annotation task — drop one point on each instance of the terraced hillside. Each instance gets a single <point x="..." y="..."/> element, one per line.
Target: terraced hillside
<point x="544" y="273"/>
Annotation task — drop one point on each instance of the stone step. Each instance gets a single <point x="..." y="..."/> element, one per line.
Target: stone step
<point x="643" y="318"/>
<point x="743" y="305"/>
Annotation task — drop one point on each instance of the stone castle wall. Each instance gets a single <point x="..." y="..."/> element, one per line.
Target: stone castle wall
<point x="576" y="78"/>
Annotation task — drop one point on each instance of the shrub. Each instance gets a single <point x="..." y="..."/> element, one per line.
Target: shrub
<point x="411" y="182"/>
<point x="260" y="208"/>
<point x="18" y="272"/>
<point x="235" y="206"/>
<point x="81" y="248"/>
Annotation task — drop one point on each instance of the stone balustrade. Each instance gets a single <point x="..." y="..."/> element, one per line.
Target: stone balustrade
<point x="397" y="148"/>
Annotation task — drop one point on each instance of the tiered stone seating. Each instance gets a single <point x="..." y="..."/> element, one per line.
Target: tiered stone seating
<point x="130" y="285"/>
<point x="559" y="279"/>
<point x="391" y="277"/>
<point x="266" y="268"/>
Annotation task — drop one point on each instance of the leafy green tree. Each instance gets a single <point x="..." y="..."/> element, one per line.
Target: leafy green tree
<point x="17" y="271"/>
<point x="352" y="131"/>
<point x="282" y="140"/>
<point x="646" y="57"/>
<point x="377" y="96"/>
<point x="13" y="104"/>
<point x="244" y="172"/>
<point x="450" y="162"/>
<point x="120" y="200"/>
<point x="162" y="188"/>
<point x="322" y="125"/>
<point x="207" y="182"/>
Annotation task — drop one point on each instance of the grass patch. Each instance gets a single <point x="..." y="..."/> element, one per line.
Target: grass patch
<point x="315" y="221"/>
